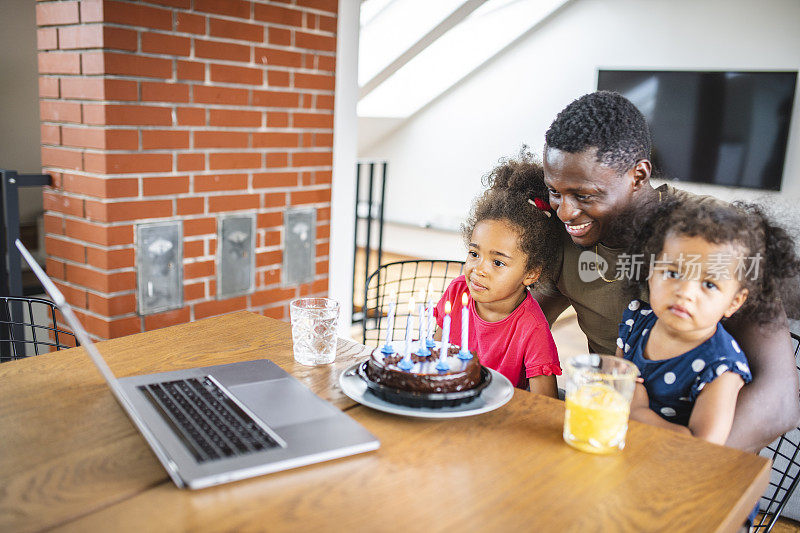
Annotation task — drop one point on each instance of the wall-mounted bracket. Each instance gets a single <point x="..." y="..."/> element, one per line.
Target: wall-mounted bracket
<point x="300" y="251"/>
<point x="159" y="266"/>
<point x="236" y="261"/>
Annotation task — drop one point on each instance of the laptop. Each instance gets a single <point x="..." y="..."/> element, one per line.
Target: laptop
<point x="224" y="423"/>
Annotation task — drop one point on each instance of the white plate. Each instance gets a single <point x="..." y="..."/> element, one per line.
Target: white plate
<point x="495" y="395"/>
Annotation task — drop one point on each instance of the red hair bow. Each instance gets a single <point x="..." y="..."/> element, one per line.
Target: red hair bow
<point x="543" y="206"/>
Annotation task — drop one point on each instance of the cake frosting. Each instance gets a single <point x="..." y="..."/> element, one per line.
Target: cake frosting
<point x="423" y="376"/>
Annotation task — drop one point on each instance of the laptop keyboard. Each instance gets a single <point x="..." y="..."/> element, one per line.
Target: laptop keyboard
<point x="210" y="424"/>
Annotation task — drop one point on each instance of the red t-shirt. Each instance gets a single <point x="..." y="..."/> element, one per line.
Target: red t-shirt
<point x="520" y="346"/>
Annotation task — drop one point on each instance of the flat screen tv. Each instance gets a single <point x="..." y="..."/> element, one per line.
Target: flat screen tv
<point x="726" y="128"/>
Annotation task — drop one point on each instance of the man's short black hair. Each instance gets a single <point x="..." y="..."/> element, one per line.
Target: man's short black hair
<point x="604" y="120"/>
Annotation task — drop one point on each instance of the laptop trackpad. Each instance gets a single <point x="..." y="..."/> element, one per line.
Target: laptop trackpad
<point x="282" y="402"/>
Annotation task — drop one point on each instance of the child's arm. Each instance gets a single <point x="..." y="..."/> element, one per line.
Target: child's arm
<point x="545" y="385"/>
<point x="641" y="412"/>
<point x="712" y="415"/>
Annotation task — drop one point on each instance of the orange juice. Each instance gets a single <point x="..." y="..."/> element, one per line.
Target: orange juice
<point x="596" y="418"/>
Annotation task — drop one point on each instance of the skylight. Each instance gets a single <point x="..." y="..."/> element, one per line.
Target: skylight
<point x="390" y="27"/>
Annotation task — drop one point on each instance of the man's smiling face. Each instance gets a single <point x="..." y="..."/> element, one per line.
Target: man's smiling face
<point x="587" y="195"/>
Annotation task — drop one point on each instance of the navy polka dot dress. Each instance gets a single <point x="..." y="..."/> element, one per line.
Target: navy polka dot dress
<point x="674" y="384"/>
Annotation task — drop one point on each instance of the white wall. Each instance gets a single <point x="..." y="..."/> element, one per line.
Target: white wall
<point x="19" y="99"/>
<point x="436" y="159"/>
<point x="340" y="282"/>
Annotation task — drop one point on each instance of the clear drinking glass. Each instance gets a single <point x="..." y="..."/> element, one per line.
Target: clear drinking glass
<point x="314" y="330"/>
<point x="599" y="389"/>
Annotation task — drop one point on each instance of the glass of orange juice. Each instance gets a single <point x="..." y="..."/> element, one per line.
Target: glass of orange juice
<point x="599" y="389"/>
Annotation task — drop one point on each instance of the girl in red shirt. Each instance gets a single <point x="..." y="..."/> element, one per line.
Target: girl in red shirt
<point x="512" y="244"/>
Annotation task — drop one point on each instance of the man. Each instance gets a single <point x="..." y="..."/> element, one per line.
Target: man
<point x="597" y="170"/>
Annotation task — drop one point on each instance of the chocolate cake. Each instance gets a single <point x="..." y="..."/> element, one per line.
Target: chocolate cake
<point x="424" y="377"/>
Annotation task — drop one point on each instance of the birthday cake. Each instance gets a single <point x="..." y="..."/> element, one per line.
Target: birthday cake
<point x="423" y="376"/>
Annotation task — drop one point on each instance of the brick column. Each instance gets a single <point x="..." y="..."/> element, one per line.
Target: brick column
<point x="182" y="110"/>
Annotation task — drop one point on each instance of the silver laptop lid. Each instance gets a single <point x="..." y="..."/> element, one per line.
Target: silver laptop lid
<point x="77" y="328"/>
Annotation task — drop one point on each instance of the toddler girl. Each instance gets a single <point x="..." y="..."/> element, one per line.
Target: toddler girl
<point x="706" y="261"/>
<point x="512" y="243"/>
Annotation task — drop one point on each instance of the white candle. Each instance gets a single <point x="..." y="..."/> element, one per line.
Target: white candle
<point x="431" y="322"/>
<point x="464" y="324"/>
<point x="406" y="363"/>
<point x="422" y="325"/>
<point x="387" y="346"/>
<point x="442" y="364"/>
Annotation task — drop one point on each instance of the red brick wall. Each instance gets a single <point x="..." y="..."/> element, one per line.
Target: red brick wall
<point x="181" y="110"/>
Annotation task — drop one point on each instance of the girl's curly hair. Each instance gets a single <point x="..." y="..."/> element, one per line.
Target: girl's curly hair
<point x="510" y="186"/>
<point x="768" y="281"/>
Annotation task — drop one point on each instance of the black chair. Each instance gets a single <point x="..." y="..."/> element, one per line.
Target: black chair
<point x="405" y="279"/>
<point x="28" y="326"/>
<point x="785" y="469"/>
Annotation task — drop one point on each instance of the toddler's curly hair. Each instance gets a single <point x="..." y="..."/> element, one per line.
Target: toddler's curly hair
<point x="511" y="187"/>
<point x="770" y="287"/>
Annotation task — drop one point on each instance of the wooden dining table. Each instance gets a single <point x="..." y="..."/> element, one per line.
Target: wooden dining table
<point x="71" y="460"/>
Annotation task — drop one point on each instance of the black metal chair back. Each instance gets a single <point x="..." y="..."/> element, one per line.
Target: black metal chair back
<point x="785" y="469"/>
<point x="405" y="279"/>
<point x="29" y="326"/>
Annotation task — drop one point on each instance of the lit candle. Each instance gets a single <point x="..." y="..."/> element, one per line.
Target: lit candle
<point x="422" y="351"/>
<point x="464" y="353"/>
<point x="405" y="363"/>
<point x="387" y="346"/>
<point x="431" y="323"/>
<point x="442" y="364"/>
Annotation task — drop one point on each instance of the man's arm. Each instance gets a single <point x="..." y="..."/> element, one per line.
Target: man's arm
<point x="552" y="304"/>
<point x="768" y="406"/>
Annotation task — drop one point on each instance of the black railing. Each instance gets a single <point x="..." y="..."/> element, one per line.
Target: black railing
<point x="12" y="328"/>
<point x="10" y="266"/>
<point x="365" y="207"/>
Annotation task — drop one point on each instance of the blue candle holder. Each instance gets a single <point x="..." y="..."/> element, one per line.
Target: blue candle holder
<point x="464" y="355"/>
<point x="422" y="351"/>
<point x="387" y="349"/>
<point x="442" y="366"/>
<point x="430" y="343"/>
<point x="405" y="365"/>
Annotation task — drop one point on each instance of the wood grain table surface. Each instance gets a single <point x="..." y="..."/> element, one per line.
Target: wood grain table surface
<point x="71" y="460"/>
